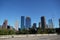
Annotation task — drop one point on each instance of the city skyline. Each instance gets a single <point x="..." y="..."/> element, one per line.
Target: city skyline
<point x="13" y="9"/>
<point x="26" y="21"/>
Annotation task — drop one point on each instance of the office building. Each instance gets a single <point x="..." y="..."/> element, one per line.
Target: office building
<point x="50" y="23"/>
<point x="34" y="25"/>
<point x="5" y="23"/>
<point x="39" y="24"/>
<point x="28" y="22"/>
<point x="43" y="23"/>
<point x="22" y="22"/>
<point x="46" y="26"/>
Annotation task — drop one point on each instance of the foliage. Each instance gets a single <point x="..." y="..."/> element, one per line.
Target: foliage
<point x="30" y="31"/>
<point x="6" y="32"/>
<point x="39" y="31"/>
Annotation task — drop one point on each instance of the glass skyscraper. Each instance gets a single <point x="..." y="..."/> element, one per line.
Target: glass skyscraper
<point x="28" y="22"/>
<point x="50" y="23"/>
<point x="43" y="23"/>
<point x="22" y="22"/>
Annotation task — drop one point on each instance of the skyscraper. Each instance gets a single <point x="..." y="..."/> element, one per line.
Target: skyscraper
<point x="4" y="26"/>
<point x="22" y="22"/>
<point x="34" y="25"/>
<point x="16" y="25"/>
<point x="39" y="25"/>
<point x="50" y="23"/>
<point x="43" y="23"/>
<point x="46" y="26"/>
<point x="59" y="23"/>
<point x="28" y="22"/>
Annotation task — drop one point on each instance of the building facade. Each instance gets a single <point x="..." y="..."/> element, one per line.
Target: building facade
<point x="34" y="25"/>
<point x="28" y="23"/>
<point x="5" y="23"/>
<point x="22" y="22"/>
<point x="43" y="23"/>
<point x="39" y="24"/>
<point x="50" y="23"/>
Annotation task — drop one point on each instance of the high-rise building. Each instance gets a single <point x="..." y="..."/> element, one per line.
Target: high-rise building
<point x="39" y="25"/>
<point x="34" y="25"/>
<point x="28" y="22"/>
<point x="50" y="23"/>
<point x="59" y="23"/>
<point x="43" y="23"/>
<point x="16" y="25"/>
<point x="22" y="22"/>
<point x="46" y="26"/>
<point x="5" y="23"/>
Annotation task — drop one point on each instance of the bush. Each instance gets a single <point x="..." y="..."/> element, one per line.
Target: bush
<point x="6" y="32"/>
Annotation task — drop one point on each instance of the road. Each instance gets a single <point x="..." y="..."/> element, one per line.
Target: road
<point x="55" y="37"/>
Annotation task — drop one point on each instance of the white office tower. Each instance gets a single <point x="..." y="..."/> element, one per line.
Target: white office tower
<point x="16" y="25"/>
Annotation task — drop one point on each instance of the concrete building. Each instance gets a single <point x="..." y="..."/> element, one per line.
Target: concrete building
<point x="5" y="23"/>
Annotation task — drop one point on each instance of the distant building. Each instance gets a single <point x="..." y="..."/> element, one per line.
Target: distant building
<point x="5" y="23"/>
<point x="39" y="25"/>
<point x="50" y="23"/>
<point x="43" y="23"/>
<point x="22" y="22"/>
<point x="28" y="22"/>
<point x="34" y="25"/>
<point x="59" y="23"/>
<point x="16" y="25"/>
<point x="46" y="26"/>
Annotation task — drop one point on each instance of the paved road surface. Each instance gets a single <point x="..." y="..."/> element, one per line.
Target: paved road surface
<point x="55" y="37"/>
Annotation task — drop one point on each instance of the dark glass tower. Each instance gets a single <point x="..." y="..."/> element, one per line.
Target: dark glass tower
<point x="28" y="22"/>
<point x="22" y="22"/>
<point x="43" y="23"/>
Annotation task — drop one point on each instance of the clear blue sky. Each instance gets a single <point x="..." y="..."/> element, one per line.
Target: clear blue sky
<point x="14" y="9"/>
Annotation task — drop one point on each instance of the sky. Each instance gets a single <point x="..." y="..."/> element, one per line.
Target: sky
<point x="12" y="10"/>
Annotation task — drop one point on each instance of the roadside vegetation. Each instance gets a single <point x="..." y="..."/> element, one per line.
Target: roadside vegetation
<point x="30" y="31"/>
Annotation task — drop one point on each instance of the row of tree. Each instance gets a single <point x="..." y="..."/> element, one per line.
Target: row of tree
<point x="30" y="31"/>
<point x="36" y="31"/>
<point x="6" y="32"/>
